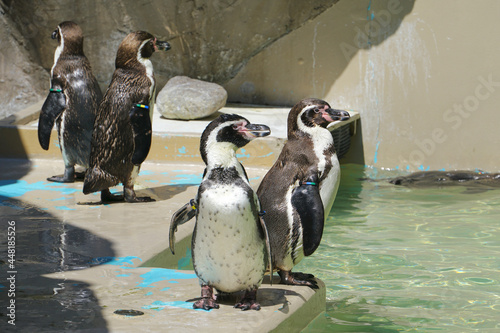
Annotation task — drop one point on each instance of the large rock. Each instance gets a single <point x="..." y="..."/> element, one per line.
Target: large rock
<point x="186" y="98"/>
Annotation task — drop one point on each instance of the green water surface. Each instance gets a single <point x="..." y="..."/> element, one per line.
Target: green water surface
<point x="399" y="259"/>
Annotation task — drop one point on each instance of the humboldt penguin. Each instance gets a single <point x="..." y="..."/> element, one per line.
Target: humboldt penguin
<point x="122" y="129"/>
<point x="71" y="103"/>
<point x="230" y="246"/>
<point x="298" y="192"/>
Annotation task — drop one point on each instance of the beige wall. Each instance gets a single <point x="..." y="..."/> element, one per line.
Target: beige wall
<point x="424" y="75"/>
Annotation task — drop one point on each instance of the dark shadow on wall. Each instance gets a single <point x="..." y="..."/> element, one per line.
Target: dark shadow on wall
<point x="308" y="61"/>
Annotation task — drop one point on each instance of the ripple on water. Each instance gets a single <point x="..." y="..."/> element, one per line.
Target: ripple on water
<point x="404" y="259"/>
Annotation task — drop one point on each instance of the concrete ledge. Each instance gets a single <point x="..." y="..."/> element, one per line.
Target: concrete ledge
<point x="166" y="296"/>
<point x="130" y="265"/>
<point x="112" y="257"/>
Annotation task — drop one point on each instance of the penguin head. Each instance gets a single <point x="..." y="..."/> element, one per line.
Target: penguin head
<point x="138" y="47"/>
<point x="70" y="37"/>
<point x="229" y="131"/>
<point x="312" y="113"/>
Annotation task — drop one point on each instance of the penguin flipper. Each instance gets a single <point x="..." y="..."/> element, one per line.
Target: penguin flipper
<point x="268" y="248"/>
<point x="53" y="106"/>
<point x="306" y="200"/>
<point x="184" y="214"/>
<point x="142" y="128"/>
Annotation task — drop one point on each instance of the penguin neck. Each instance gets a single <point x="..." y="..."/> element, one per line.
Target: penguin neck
<point x="322" y="142"/>
<point x="57" y="54"/>
<point x="222" y="155"/>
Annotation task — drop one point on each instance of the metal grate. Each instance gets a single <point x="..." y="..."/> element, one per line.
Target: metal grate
<point x="342" y="140"/>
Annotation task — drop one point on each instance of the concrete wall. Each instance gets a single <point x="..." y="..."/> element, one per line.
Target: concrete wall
<point x="423" y="74"/>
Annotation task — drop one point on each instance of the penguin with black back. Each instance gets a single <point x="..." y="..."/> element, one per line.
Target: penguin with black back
<point x="297" y="193"/>
<point x="72" y="101"/>
<point x="122" y="129"/>
<point x="230" y="246"/>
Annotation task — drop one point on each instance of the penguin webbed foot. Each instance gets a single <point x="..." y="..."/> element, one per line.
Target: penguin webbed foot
<point x="106" y="196"/>
<point x="298" y="279"/>
<point x="68" y="177"/>
<point x="131" y="197"/>
<point x="249" y="301"/>
<point x="141" y="199"/>
<point x="60" y="179"/>
<point x="207" y="301"/>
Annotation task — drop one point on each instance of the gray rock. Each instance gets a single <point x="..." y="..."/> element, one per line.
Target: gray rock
<point x="22" y="81"/>
<point x="186" y="98"/>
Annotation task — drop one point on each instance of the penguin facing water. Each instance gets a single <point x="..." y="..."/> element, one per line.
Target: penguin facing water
<point x="72" y="101"/>
<point x="122" y="129"/>
<point x="297" y="193"/>
<point x="229" y="245"/>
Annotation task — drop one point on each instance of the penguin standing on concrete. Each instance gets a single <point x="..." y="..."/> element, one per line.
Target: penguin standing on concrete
<point x="229" y="244"/>
<point x="72" y="101"/>
<point x="298" y="192"/>
<point x="122" y="129"/>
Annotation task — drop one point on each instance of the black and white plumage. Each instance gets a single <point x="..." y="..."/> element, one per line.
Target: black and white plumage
<point x="72" y="101"/>
<point x="298" y="192"/>
<point x="229" y="244"/>
<point x="122" y="130"/>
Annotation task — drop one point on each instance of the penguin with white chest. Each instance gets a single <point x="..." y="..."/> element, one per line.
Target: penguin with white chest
<point x="122" y="129"/>
<point x="229" y="245"/>
<point x="297" y="193"/>
<point x="72" y="101"/>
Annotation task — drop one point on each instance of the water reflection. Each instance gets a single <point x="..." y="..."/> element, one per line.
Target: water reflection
<point x="46" y="245"/>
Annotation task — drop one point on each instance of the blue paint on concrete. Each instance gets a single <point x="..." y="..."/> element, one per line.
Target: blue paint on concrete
<point x="160" y="274"/>
<point x="146" y="173"/>
<point x="118" y="261"/>
<point x="185" y="179"/>
<point x="164" y="289"/>
<point x="182" y="150"/>
<point x="18" y="188"/>
<point x="268" y="154"/>
<point x="159" y="305"/>
<point x="242" y="154"/>
<point x="64" y="208"/>
<point x="122" y="275"/>
<point x="59" y="199"/>
<point x="4" y="203"/>
<point x="148" y="294"/>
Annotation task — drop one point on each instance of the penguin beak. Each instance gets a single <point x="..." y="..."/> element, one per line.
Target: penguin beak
<point x="252" y="131"/>
<point x="160" y="45"/>
<point x="332" y="115"/>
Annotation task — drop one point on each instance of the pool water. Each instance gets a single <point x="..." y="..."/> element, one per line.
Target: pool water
<point x="399" y="259"/>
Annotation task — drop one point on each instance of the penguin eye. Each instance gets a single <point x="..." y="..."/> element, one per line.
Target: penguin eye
<point x="316" y="110"/>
